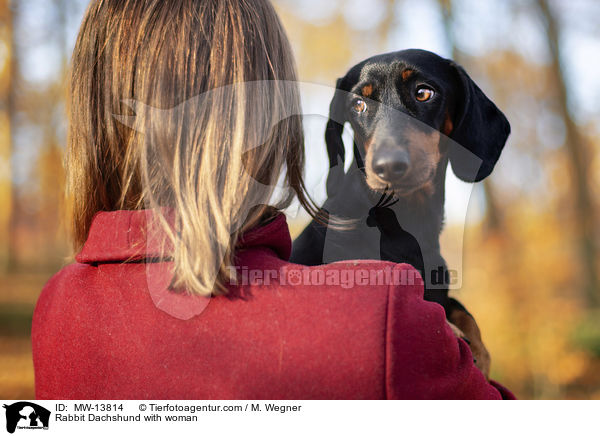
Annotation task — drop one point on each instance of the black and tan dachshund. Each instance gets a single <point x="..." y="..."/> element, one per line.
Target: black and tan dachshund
<point x="412" y="112"/>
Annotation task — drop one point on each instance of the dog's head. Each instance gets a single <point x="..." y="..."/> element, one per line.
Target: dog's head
<point x="402" y="106"/>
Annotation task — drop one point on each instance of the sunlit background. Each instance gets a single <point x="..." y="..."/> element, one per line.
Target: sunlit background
<point x="530" y="255"/>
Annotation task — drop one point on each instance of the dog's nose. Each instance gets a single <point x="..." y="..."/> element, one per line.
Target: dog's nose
<point x="391" y="164"/>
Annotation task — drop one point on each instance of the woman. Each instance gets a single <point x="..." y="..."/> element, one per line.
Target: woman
<point x="183" y="117"/>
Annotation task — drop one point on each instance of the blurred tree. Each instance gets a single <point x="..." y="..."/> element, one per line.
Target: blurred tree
<point x="386" y="26"/>
<point x="579" y="158"/>
<point x="50" y="168"/>
<point x="37" y="237"/>
<point x="493" y="215"/>
<point x="324" y="49"/>
<point x="6" y="105"/>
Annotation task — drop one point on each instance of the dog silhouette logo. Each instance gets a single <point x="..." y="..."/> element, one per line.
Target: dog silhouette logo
<point x="26" y="415"/>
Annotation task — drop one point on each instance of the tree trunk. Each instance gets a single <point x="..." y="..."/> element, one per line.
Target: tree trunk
<point x="577" y="153"/>
<point x="493" y="216"/>
<point x="6" y="106"/>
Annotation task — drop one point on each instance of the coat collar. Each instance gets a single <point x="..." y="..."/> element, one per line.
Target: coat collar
<point x="122" y="235"/>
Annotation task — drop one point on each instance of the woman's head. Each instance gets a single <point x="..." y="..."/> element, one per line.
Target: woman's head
<point x="220" y="129"/>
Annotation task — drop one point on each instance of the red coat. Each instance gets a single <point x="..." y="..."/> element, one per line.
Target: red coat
<point x="105" y="328"/>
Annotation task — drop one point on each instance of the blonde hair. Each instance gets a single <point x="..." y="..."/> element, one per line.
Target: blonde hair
<point x="203" y="158"/>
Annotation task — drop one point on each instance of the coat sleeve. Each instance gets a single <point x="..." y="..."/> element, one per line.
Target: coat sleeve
<point x="424" y="360"/>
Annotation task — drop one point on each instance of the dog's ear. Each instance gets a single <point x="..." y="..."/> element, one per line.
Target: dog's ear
<point x="480" y="127"/>
<point x="333" y="137"/>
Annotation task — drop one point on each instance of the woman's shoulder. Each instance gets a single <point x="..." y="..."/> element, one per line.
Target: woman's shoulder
<point x="61" y="289"/>
<point x="356" y="275"/>
<point x="65" y="279"/>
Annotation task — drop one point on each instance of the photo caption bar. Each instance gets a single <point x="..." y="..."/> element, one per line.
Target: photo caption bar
<point x="295" y="417"/>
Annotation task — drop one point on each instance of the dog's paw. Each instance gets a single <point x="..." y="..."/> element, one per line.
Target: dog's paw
<point x="458" y="332"/>
<point x="463" y="326"/>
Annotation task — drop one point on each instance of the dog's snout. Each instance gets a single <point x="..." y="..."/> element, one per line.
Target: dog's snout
<point x="391" y="165"/>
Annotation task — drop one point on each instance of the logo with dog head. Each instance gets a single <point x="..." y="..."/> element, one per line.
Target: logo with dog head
<point x="26" y="415"/>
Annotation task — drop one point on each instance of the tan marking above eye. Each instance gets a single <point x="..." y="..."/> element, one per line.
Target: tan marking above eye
<point x="406" y="74"/>
<point x="367" y="90"/>
<point x="424" y="93"/>
<point x="359" y="106"/>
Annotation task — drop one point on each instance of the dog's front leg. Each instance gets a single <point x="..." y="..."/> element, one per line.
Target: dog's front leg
<point x="464" y="326"/>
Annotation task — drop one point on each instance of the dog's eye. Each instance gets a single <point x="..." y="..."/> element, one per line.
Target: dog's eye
<point x="424" y="93"/>
<point x="359" y="106"/>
